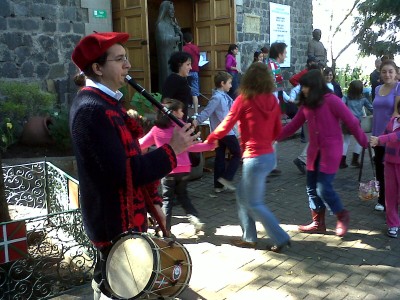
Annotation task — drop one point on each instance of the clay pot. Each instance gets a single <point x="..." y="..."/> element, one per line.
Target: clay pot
<point x="36" y="132"/>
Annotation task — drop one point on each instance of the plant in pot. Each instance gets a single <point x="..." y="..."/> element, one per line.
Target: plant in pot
<point x="28" y="107"/>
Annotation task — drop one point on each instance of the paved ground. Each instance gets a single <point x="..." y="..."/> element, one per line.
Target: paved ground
<point x="362" y="265"/>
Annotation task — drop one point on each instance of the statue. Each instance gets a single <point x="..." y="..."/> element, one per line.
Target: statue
<point x="168" y="39"/>
<point x="316" y="49"/>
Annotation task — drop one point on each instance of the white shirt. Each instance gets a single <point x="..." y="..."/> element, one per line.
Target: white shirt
<point x="116" y="95"/>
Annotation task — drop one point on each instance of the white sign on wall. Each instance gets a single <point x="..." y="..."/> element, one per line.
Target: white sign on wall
<point x="280" y="27"/>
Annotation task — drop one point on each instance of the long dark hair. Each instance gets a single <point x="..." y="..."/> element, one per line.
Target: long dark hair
<point x="162" y="120"/>
<point x="256" y="55"/>
<point x="355" y="90"/>
<point x="328" y="70"/>
<point x="314" y="80"/>
<point x="231" y="48"/>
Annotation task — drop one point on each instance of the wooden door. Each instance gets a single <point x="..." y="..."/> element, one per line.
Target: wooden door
<point x="214" y="30"/>
<point x="131" y="16"/>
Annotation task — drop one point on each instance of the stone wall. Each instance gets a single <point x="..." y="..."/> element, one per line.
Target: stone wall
<point x="37" y="39"/>
<point x="301" y="27"/>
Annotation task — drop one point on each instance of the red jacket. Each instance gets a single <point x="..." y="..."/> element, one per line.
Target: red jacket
<point x="194" y="51"/>
<point x="259" y="124"/>
<point x="294" y="80"/>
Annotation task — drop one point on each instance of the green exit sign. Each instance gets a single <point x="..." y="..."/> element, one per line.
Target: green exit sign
<point x="100" y="13"/>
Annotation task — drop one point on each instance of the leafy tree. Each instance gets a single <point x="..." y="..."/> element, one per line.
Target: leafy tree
<point x="377" y="27"/>
<point x="350" y="14"/>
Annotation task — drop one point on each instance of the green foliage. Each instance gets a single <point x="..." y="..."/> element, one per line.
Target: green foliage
<point x="379" y="27"/>
<point x="19" y="101"/>
<point x="346" y="75"/>
<point x="6" y="134"/>
<point x="124" y="91"/>
<point x="142" y="105"/>
<point x="59" y="129"/>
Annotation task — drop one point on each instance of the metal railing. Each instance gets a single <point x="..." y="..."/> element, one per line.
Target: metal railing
<point x="57" y="256"/>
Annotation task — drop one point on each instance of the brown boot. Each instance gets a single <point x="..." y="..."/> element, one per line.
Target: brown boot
<point x="343" y="162"/>
<point x="343" y="220"/>
<point x="354" y="160"/>
<point x="317" y="225"/>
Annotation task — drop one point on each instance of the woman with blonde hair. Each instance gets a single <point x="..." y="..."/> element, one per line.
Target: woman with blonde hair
<point x="259" y="117"/>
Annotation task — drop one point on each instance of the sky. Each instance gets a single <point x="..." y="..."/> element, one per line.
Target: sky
<point x="322" y="11"/>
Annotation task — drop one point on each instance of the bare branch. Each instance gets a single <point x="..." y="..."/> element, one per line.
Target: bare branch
<point x="345" y="17"/>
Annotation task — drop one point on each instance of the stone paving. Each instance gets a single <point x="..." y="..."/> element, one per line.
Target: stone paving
<point x="362" y="265"/>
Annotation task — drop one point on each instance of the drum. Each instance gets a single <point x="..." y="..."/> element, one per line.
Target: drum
<point x="146" y="267"/>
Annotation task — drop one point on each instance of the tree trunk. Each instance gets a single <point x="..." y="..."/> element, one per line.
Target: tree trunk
<point x="334" y="64"/>
<point x="4" y="213"/>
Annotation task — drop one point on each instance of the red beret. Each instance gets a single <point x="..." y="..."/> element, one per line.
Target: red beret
<point x="93" y="46"/>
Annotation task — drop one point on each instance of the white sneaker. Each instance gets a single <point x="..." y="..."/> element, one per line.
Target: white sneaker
<point x="220" y="190"/>
<point x="195" y="221"/>
<point x="226" y="183"/>
<point x="379" y="207"/>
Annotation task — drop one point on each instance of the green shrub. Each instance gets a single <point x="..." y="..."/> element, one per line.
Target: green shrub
<point x="6" y="134"/>
<point x="142" y="105"/>
<point x="346" y="75"/>
<point x="59" y="129"/>
<point x="19" y="101"/>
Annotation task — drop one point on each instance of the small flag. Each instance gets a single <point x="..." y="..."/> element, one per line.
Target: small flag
<point x="13" y="242"/>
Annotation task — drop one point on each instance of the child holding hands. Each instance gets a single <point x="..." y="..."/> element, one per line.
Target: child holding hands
<point x="391" y="140"/>
<point x="355" y="101"/>
<point x="175" y="183"/>
<point x="216" y="110"/>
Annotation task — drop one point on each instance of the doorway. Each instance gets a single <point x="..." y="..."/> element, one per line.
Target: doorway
<point x="212" y="23"/>
<point x="184" y="17"/>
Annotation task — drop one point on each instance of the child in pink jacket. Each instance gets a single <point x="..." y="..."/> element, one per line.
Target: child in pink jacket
<point x="175" y="183"/>
<point x="391" y="140"/>
<point x="324" y="112"/>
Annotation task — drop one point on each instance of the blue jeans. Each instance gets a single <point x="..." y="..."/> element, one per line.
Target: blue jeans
<point x="235" y="85"/>
<point x="320" y="190"/>
<point x="250" y="200"/>
<point x="231" y="143"/>
<point x="193" y="80"/>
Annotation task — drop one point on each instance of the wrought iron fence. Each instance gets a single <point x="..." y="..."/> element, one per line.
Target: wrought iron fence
<point x="51" y="253"/>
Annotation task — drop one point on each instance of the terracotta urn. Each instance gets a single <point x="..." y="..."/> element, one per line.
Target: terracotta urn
<point x="36" y="132"/>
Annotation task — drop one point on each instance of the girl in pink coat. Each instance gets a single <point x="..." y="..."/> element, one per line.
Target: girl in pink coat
<point x="391" y="140"/>
<point x="174" y="185"/>
<point x="324" y="112"/>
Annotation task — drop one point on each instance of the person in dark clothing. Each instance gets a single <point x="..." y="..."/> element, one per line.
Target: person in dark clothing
<point x="330" y="79"/>
<point x="176" y="85"/>
<point x="117" y="183"/>
<point x="375" y="77"/>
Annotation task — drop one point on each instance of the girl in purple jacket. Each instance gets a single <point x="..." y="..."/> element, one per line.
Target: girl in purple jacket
<point x="324" y="112"/>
